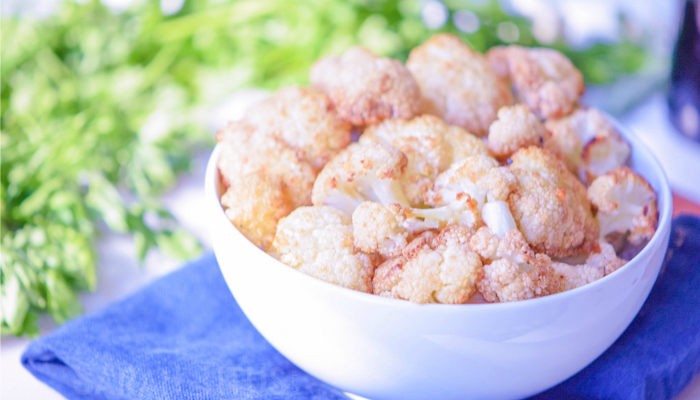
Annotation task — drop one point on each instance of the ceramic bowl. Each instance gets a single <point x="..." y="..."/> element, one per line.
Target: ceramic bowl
<point x="383" y="348"/>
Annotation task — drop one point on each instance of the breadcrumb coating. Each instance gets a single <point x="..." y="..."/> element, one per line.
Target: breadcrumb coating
<point x="305" y="120"/>
<point x="362" y="171"/>
<point x="430" y="145"/>
<point x="549" y="205"/>
<point x="457" y="83"/>
<point x="588" y="143"/>
<point x="518" y="273"/>
<point x="366" y="88"/>
<point x="434" y="268"/>
<point x="598" y="264"/>
<point x="265" y="181"/>
<point x="379" y="229"/>
<point x="318" y="241"/>
<point x="515" y="128"/>
<point x="625" y="203"/>
<point x="543" y="79"/>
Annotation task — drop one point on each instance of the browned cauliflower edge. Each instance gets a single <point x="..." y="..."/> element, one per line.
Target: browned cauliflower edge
<point x="366" y="88"/>
<point x="625" y="202"/>
<point x="318" y="241"/>
<point x="457" y="83"/>
<point x="433" y="268"/>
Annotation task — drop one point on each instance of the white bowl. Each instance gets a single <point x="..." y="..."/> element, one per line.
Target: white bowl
<point x="392" y="349"/>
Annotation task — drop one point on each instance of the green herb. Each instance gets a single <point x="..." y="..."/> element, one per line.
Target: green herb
<point x="101" y="112"/>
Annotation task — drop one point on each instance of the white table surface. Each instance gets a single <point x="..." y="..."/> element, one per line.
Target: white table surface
<point x="120" y="273"/>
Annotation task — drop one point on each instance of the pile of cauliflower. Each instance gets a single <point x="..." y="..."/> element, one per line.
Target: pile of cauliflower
<point x="475" y="177"/>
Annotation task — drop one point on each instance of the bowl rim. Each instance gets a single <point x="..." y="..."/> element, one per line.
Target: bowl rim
<point x="664" y="198"/>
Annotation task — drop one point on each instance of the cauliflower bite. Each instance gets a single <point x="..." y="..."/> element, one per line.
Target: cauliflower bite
<point x="254" y="205"/>
<point x="318" y="241"/>
<point x="305" y="120"/>
<point x="265" y="181"/>
<point x="385" y="229"/>
<point x="367" y="89"/>
<point x="588" y="143"/>
<point x="543" y="79"/>
<point x="479" y="176"/>
<point x="462" y="211"/>
<point x="515" y="128"/>
<point x="485" y="243"/>
<point x="625" y="203"/>
<point x="457" y="83"/>
<point x="566" y="276"/>
<point x="517" y="273"/>
<point x="434" y="268"/>
<point x="379" y="229"/>
<point x="550" y="206"/>
<point x="601" y="262"/>
<point x="363" y="171"/>
<point x="430" y="145"/>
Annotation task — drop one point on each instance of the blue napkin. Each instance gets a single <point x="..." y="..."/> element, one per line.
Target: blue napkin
<point x="184" y="337"/>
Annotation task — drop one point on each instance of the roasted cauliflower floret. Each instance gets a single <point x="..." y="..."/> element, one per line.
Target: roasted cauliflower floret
<point x="479" y="176"/>
<point x="588" y="143"/>
<point x="254" y="206"/>
<point x="430" y="145"/>
<point x="515" y="128"/>
<point x="485" y="243"/>
<point x="305" y="120"/>
<point x="265" y="181"/>
<point x="550" y="206"/>
<point x="625" y="203"/>
<point x="457" y="83"/>
<point x="380" y="229"/>
<point x="434" y="268"/>
<point x="385" y="229"/>
<point x="366" y="88"/>
<point x="543" y="79"/>
<point x="605" y="258"/>
<point x="363" y="171"/>
<point x="318" y="241"/>
<point x="462" y="211"/>
<point x="601" y="262"/>
<point x="517" y="273"/>
<point x="566" y="276"/>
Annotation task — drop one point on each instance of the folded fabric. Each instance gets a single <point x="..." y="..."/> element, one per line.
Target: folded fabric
<point x="184" y="337"/>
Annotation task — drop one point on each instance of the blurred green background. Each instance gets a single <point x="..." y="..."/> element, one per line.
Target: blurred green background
<point x="103" y="108"/>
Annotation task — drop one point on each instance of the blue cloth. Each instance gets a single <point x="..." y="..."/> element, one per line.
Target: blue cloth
<point x="184" y="337"/>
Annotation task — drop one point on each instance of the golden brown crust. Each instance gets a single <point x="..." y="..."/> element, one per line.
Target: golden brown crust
<point x="550" y="206"/>
<point x="516" y="127"/>
<point x="588" y="143"/>
<point x="625" y="202"/>
<point x="265" y="181"/>
<point x="543" y="79"/>
<point x="430" y="145"/>
<point x="318" y="242"/>
<point x="457" y="83"/>
<point x="305" y="120"/>
<point x="366" y="88"/>
<point x="518" y="273"/>
<point x="434" y="268"/>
